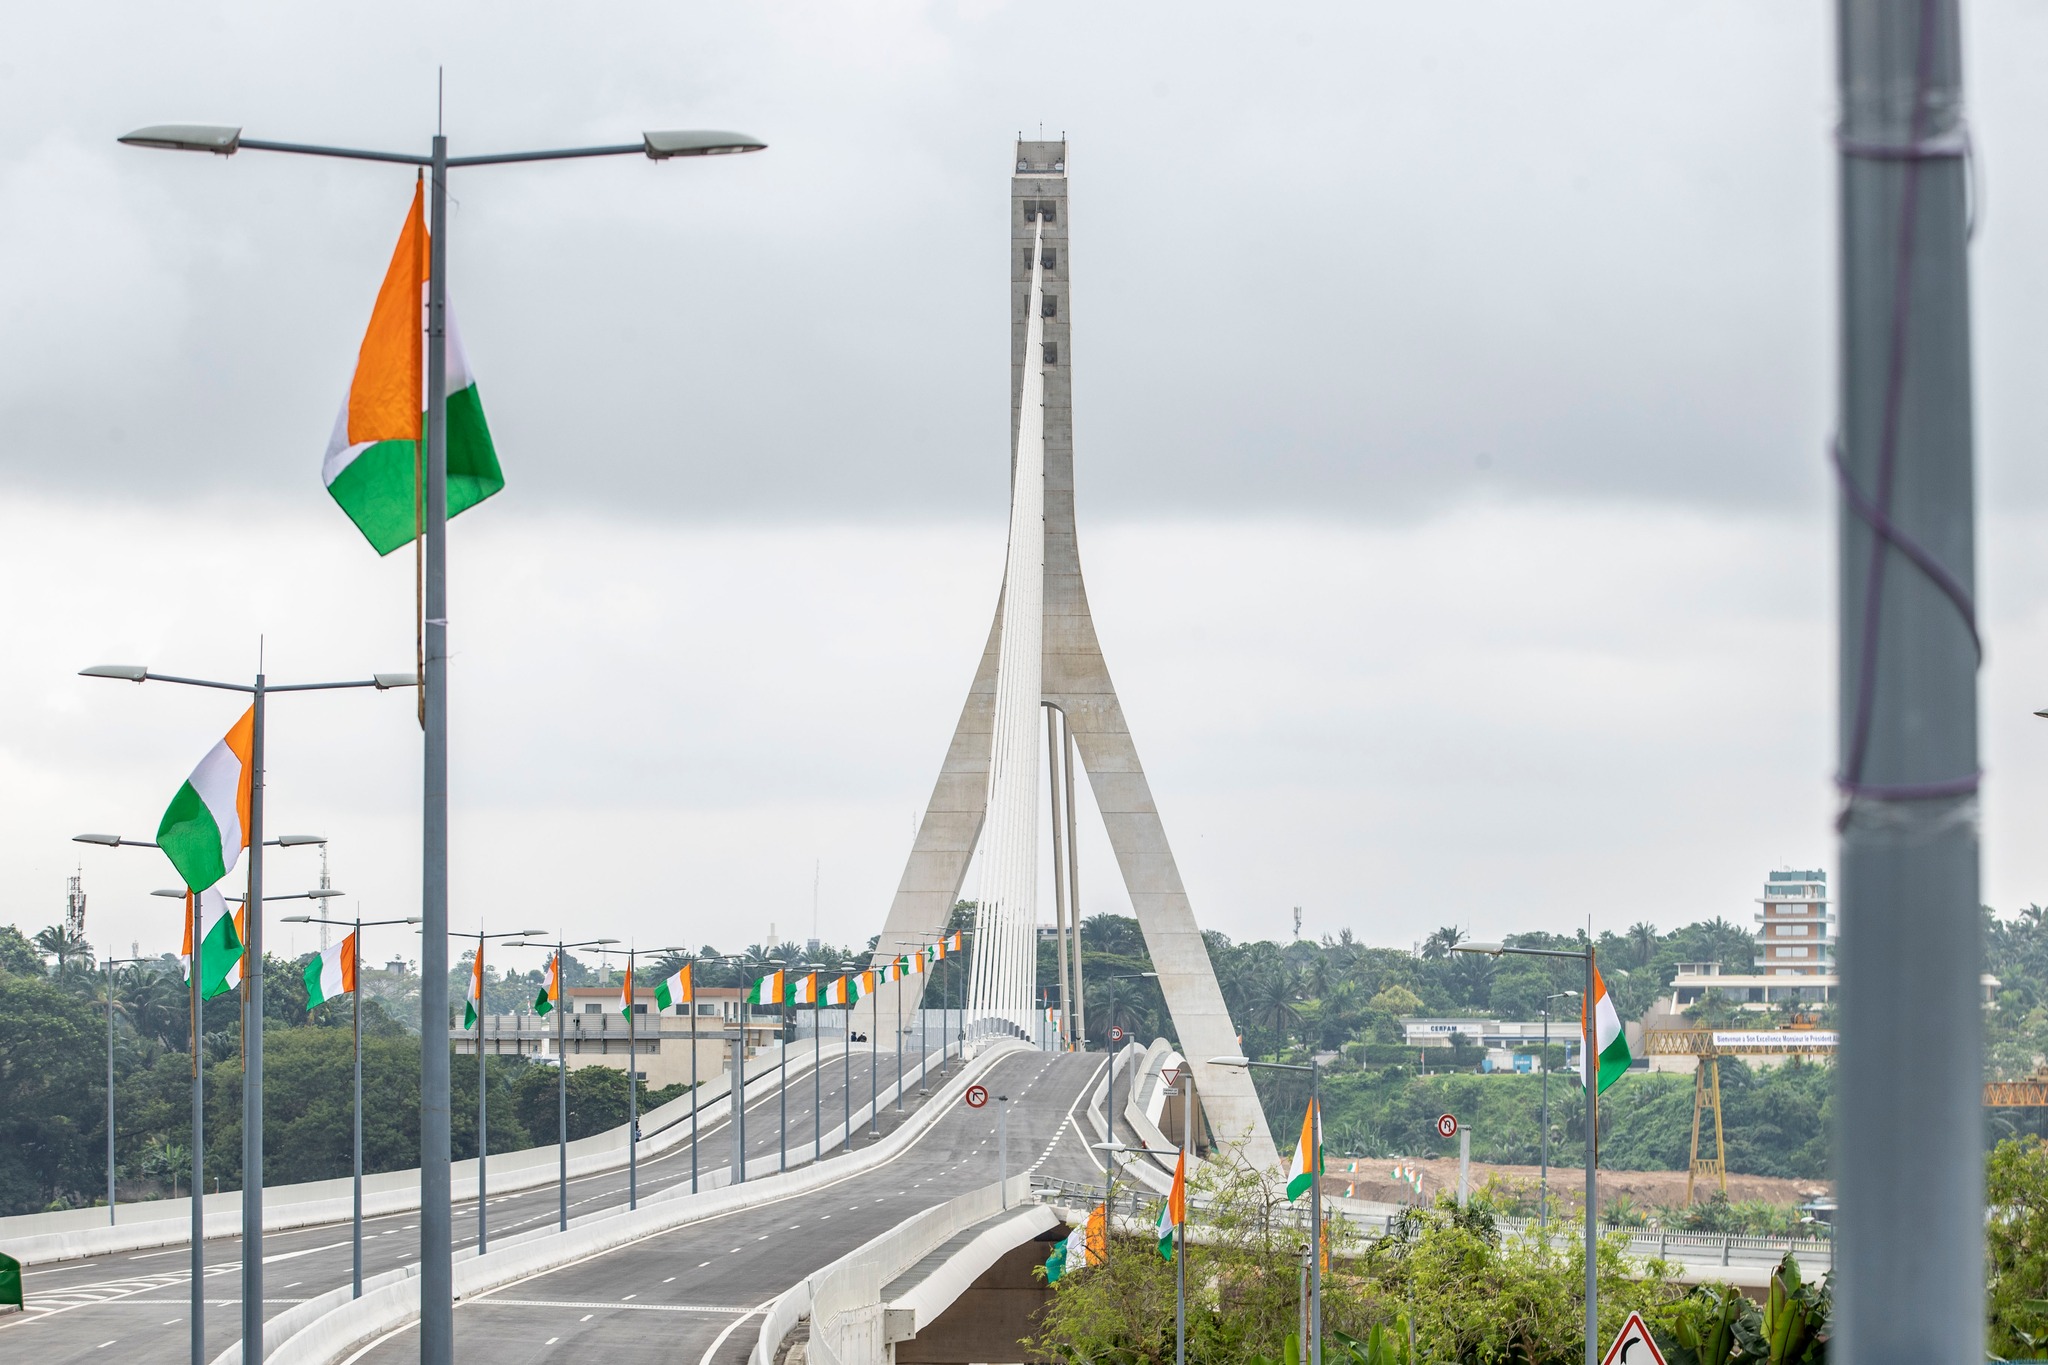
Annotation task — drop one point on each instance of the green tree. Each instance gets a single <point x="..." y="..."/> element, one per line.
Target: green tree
<point x="52" y="1092"/>
<point x="17" y="954"/>
<point x="2016" y="1247"/>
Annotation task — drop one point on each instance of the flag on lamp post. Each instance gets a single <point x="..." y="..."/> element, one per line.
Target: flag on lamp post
<point x="473" y="1001"/>
<point x="551" y="988"/>
<point x="221" y="943"/>
<point x="331" y="972"/>
<point x="372" y="468"/>
<point x="206" y="827"/>
<point x="675" y="991"/>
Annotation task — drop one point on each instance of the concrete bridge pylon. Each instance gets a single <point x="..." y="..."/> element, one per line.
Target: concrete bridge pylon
<point x="1076" y="681"/>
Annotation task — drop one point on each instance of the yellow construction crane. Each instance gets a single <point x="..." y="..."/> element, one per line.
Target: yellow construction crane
<point x="1710" y="1046"/>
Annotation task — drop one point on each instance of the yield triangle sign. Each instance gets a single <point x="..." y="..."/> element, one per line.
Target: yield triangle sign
<point x="1632" y="1345"/>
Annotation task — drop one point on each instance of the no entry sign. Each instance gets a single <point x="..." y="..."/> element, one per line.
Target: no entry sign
<point x="977" y="1096"/>
<point x="1447" y="1125"/>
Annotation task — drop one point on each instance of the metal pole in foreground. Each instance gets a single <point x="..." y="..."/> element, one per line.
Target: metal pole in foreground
<point x="1003" y="1148"/>
<point x="1589" y="1072"/>
<point x="696" y="1098"/>
<point x="437" y="1241"/>
<point x="874" y="1068"/>
<point x="198" y="1295"/>
<point x="817" y="1076"/>
<point x="632" y="1090"/>
<point x="1315" y="1215"/>
<point x="898" y="993"/>
<point x="782" y="1088"/>
<point x="1908" y="1136"/>
<point x="846" y="1070"/>
<point x="1543" y="1142"/>
<point x="562" y="1096"/>
<point x="355" y="996"/>
<point x="110" y="1091"/>
<point x="1180" y="1227"/>
<point x="252" y="1067"/>
<point x="483" y="1133"/>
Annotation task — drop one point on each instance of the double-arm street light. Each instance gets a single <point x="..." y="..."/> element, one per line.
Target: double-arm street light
<point x="252" y="973"/>
<point x="437" y="1247"/>
<point x="561" y="1003"/>
<point x="1543" y="1142"/>
<point x="631" y="989"/>
<point x="355" y="929"/>
<point x="1589" y="1073"/>
<point x="483" y="1126"/>
<point x="113" y="962"/>
<point x="1314" y="1165"/>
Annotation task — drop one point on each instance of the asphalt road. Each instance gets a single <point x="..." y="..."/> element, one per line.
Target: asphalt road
<point x="693" y="1295"/>
<point x="133" y="1306"/>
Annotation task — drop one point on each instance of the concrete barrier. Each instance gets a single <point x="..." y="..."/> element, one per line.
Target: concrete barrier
<point x="844" y="1299"/>
<point x="350" y="1324"/>
<point x="42" y="1238"/>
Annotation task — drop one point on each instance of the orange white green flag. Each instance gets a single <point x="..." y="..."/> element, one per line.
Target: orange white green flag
<point x="767" y="991"/>
<point x="1610" y="1040"/>
<point x="206" y="826"/>
<point x="220" y="943"/>
<point x="1174" y="1213"/>
<point x="331" y="972"/>
<point x="803" y="989"/>
<point x="1308" y="1155"/>
<point x="844" y="991"/>
<point x="372" y="467"/>
<point x="473" y="1001"/>
<point x="675" y="991"/>
<point x="551" y="989"/>
<point x="626" y="990"/>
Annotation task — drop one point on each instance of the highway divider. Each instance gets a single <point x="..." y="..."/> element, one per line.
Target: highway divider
<point x="343" y="1325"/>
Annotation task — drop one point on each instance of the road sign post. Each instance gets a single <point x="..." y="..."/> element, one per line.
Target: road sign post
<point x="1633" y="1345"/>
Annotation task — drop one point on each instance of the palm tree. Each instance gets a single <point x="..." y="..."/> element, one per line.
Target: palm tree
<point x="1273" y="1000"/>
<point x="62" y="943"/>
<point x="1642" y="942"/>
<point x="1439" y="944"/>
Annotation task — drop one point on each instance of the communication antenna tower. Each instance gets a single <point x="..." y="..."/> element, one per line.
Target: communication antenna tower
<point x="74" y="905"/>
<point x="1297" y="921"/>
<point x="324" y="886"/>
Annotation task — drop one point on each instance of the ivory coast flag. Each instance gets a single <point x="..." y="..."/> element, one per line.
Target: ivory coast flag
<point x="220" y="957"/>
<point x="206" y="827"/>
<point x="936" y="951"/>
<point x="953" y="943"/>
<point x="551" y="988"/>
<point x="1097" y="1241"/>
<point x="844" y="991"/>
<point x="372" y="467"/>
<point x="1175" y="1211"/>
<point x="626" y="990"/>
<point x="677" y="990"/>
<point x="803" y="990"/>
<point x="1308" y="1155"/>
<point x="766" y="991"/>
<point x="332" y="972"/>
<point x="473" y="999"/>
<point x="1609" y="1038"/>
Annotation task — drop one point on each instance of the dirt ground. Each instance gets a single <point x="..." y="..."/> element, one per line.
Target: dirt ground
<point x="1368" y="1178"/>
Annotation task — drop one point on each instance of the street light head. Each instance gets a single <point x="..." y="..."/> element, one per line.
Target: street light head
<point x="294" y="919"/>
<point x="187" y="137"/>
<point x="294" y="840"/>
<point x="1488" y="949"/>
<point x="1230" y="1061"/>
<point x="663" y="144"/>
<point x="122" y="672"/>
<point x="323" y="893"/>
<point x="109" y="840"/>
<point x="386" y="681"/>
<point x="179" y="895"/>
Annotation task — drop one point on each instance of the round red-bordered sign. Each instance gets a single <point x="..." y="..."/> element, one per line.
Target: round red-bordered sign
<point x="1117" y="1034"/>
<point x="977" y="1096"/>
<point x="1447" y="1125"/>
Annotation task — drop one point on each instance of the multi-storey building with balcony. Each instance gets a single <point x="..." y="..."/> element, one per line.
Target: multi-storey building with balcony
<point x="1795" y="934"/>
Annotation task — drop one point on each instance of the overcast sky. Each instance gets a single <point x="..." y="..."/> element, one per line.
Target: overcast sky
<point x="1451" y="385"/>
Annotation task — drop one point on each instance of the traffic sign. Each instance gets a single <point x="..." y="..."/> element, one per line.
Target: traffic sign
<point x="977" y="1096"/>
<point x="1117" y="1034"/>
<point x="1633" y="1346"/>
<point x="1447" y="1125"/>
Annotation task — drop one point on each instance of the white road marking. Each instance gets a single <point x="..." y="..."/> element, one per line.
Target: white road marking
<point x="588" y="1316"/>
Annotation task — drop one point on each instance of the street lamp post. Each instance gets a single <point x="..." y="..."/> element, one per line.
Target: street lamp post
<point x="355" y="928"/>
<point x="1590" y="1075"/>
<point x="562" y="1084"/>
<point x="437" y="1247"/>
<point x="196" y="980"/>
<point x="1543" y="1139"/>
<point x="739" y="1075"/>
<point x="252" y="975"/>
<point x="483" y="1126"/>
<point x="112" y="962"/>
<point x="1314" y="1298"/>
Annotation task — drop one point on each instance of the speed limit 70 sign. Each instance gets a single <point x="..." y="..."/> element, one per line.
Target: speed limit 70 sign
<point x="977" y="1096"/>
<point x="1447" y="1125"/>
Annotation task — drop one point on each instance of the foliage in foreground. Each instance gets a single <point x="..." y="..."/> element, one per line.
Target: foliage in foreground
<point x="1468" y="1290"/>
